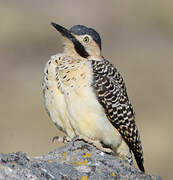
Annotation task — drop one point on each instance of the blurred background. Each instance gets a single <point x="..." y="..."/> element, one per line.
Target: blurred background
<point x="137" y="36"/>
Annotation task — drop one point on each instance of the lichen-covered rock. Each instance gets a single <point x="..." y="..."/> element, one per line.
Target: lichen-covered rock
<point x="77" y="160"/>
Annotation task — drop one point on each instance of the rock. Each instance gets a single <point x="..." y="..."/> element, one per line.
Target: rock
<point x="76" y="160"/>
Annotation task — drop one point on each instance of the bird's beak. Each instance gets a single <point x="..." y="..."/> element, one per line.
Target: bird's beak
<point x="64" y="32"/>
<point x="77" y="45"/>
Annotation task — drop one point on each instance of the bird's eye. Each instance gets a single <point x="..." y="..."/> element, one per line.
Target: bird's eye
<point x="86" y="39"/>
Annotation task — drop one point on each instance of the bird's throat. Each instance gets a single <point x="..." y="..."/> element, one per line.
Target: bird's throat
<point x="75" y="47"/>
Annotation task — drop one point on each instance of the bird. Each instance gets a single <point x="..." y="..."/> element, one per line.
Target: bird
<point x="86" y="96"/>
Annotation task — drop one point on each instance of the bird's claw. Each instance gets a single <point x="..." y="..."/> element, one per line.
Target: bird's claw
<point x="95" y="143"/>
<point x="61" y="139"/>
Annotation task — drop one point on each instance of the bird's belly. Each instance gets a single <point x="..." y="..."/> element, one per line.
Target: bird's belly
<point x="57" y="109"/>
<point x="88" y="117"/>
<point x="73" y="106"/>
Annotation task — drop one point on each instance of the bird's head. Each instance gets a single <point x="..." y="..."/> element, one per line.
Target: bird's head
<point x="81" y="42"/>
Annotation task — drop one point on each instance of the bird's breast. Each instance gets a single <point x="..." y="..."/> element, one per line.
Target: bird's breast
<point x="74" y="104"/>
<point x="73" y="76"/>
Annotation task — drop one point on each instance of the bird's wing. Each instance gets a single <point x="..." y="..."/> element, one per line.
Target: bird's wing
<point x="111" y="93"/>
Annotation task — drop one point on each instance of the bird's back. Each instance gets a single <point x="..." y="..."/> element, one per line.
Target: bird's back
<point x="111" y="92"/>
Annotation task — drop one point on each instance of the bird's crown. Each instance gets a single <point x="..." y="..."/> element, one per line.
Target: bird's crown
<point x="83" y="30"/>
<point x="86" y="41"/>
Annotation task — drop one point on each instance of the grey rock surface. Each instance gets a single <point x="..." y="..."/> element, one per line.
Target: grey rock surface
<point x="76" y="160"/>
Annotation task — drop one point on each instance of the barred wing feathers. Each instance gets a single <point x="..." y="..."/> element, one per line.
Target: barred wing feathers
<point x="111" y="93"/>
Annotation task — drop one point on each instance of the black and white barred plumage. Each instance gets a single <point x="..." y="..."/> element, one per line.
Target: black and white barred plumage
<point x="111" y="92"/>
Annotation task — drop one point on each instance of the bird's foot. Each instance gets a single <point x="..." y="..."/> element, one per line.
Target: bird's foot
<point x="95" y="143"/>
<point x="61" y="139"/>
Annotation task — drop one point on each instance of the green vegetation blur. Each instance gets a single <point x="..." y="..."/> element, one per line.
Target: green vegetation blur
<point x="137" y="36"/>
